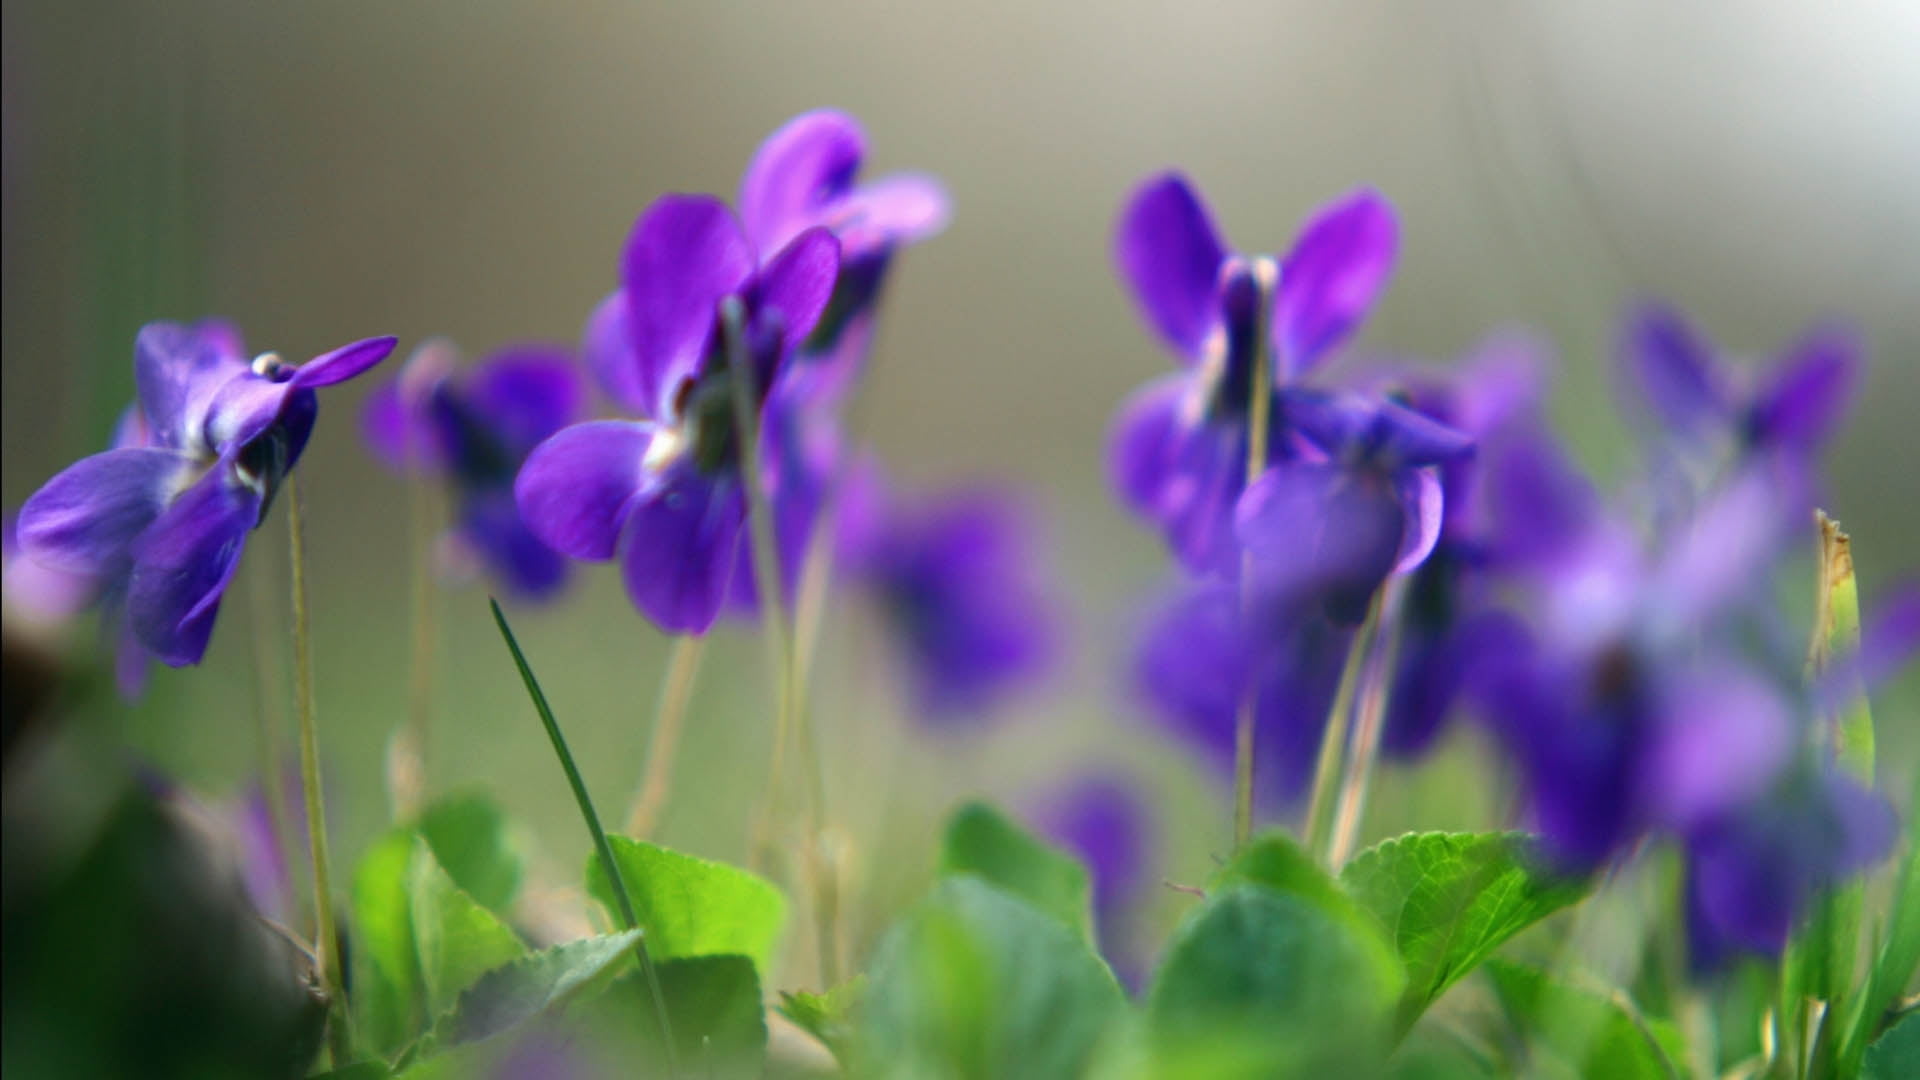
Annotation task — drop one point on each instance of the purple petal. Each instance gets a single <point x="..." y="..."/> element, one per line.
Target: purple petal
<point x="85" y="520"/>
<point x="390" y="429"/>
<point x="490" y="524"/>
<point x="802" y="168"/>
<point x="177" y="370"/>
<point x="1102" y="819"/>
<point x="1805" y="396"/>
<point x="1141" y="451"/>
<point x="1335" y="271"/>
<point x="685" y="254"/>
<point x="524" y="393"/>
<point x="1725" y="737"/>
<point x="1313" y="530"/>
<point x="799" y="280"/>
<point x="900" y="209"/>
<point x="1673" y="370"/>
<point x="607" y="348"/>
<point x="1725" y="548"/>
<point x="1541" y="508"/>
<point x="1192" y="665"/>
<point x="575" y="490"/>
<point x="182" y="564"/>
<point x="681" y="544"/>
<point x="1423" y="508"/>
<point x="343" y="363"/>
<point x="40" y="592"/>
<point x="1168" y="251"/>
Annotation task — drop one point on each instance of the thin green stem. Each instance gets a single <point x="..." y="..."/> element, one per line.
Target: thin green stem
<point x="602" y="849"/>
<point x="656" y="783"/>
<point x="328" y="946"/>
<point x="407" y="753"/>
<point x="790" y="716"/>
<point x="1259" y="419"/>
<point x="1368" y="722"/>
<point x="267" y="704"/>
<point x="1333" y="741"/>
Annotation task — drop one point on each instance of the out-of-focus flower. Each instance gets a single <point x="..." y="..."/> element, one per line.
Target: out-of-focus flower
<point x="1361" y="500"/>
<point x="1102" y="818"/>
<point x="959" y="580"/>
<point x="1674" y="376"/>
<point x="806" y="175"/>
<point x="1179" y="448"/>
<point x="37" y="594"/>
<point x="1203" y="648"/>
<point x="473" y="429"/>
<point x="162" y="524"/>
<point x="667" y="492"/>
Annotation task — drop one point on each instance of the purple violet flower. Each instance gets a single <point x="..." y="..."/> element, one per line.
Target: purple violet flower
<point x="1102" y="818"/>
<point x="958" y="579"/>
<point x="1179" y="447"/>
<point x="162" y="524"/>
<point x="1674" y="377"/>
<point x="666" y="492"/>
<point x="1360" y="500"/>
<point x="1201" y="647"/>
<point x="474" y="429"/>
<point x="804" y="176"/>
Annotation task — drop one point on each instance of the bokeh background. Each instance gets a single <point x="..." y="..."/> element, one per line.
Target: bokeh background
<point x="322" y="172"/>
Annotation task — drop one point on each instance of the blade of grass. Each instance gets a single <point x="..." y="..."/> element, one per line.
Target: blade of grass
<point x="600" y="845"/>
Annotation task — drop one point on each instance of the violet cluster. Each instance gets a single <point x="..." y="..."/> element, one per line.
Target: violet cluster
<point x="1622" y="652"/>
<point x="153" y="528"/>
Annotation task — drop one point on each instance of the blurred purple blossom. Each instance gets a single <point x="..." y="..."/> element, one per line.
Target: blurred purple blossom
<point x="960" y="581"/>
<point x="1102" y="818"/>
<point x="161" y="520"/>
<point x="1202" y="647"/>
<point x="473" y="429"/>
<point x="666" y="492"/>
<point x="1178" y="452"/>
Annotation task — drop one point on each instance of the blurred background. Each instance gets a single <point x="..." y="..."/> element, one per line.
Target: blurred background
<point x="323" y="172"/>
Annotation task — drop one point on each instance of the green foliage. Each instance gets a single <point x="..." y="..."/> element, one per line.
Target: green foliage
<point x="510" y="995"/>
<point x="827" y="1016"/>
<point x="693" y="907"/>
<point x="1578" y="1031"/>
<point x="1261" y="981"/>
<point x="1895" y="1055"/>
<point x="1448" y="900"/>
<point x="982" y="841"/>
<point x="1898" y="959"/>
<point x="713" y="1004"/>
<point x="387" y="1002"/>
<point x="455" y="939"/>
<point x="976" y="982"/>
<point x="359" y="1070"/>
<point x="472" y="840"/>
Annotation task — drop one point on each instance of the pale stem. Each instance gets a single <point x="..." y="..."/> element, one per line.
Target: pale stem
<point x="1333" y="740"/>
<point x="407" y="754"/>
<point x="328" y="947"/>
<point x="1367" y="727"/>
<point x="656" y="783"/>
<point x="267" y="704"/>
<point x="1259" y="406"/>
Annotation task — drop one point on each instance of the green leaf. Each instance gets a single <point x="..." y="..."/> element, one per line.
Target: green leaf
<point x="692" y="907"/>
<point x="517" y="992"/>
<point x="387" y="998"/>
<point x="360" y="1070"/>
<point x="1579" y="1031"/>
<point x="1899" y="958"/>
<point x="1261" y="981"/>
<point x="975" y="982"/>
<point x="1895" y="1055"/>
<point x="713" y="1003"/>
<point x="476" y="846"/>
<point x="827" y="1016"/>
<point x="1448" y="900"/>
<point x="457" y="940"/>
<point x="980" y="840"/>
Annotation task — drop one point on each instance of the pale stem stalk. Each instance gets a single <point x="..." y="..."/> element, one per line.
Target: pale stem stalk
<point x="656" y="783"/>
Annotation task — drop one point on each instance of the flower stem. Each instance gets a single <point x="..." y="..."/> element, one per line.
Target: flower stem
<point x="268" y="706"/>
<point x="1259" y="417"/>
<point x="789" y="714"/>
<point x="601" y="848"/>
<point x="683" y="666"/>
<point x="1333" y="740"/>
<point x="328" y="946"/>
<point x="1368" y="722"/>
<point x="407" y="753"/>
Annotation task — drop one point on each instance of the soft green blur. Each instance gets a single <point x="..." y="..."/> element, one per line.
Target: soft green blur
<point x="322" y="172"/>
